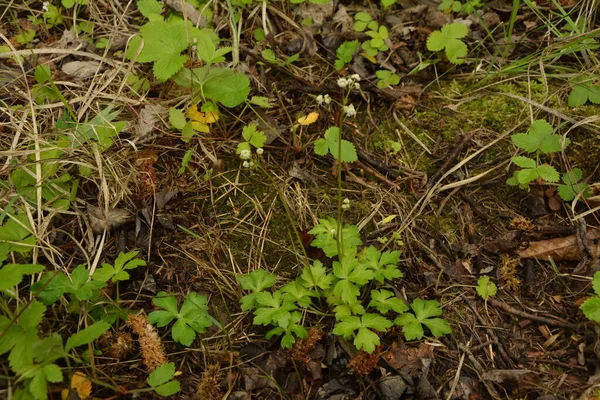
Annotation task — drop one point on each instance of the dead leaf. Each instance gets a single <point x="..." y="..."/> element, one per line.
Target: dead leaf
<point x="308" y="119"/>
<point x="100" y="222"/>
<point x="400" y="356"/>
<point x="562" y="248"/>
<point x="82" y="69"/>
<point x="508" y="376"/>
<point x="148" y="121"/>
<point x="80" y="388"/>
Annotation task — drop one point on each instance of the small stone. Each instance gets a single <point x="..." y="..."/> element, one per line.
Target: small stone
<point x="392" y="387"/>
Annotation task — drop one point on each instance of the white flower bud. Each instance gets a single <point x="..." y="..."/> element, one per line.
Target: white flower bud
<point x="332" y="231"/>
<point x="357" y="86"/>
<point x="260" y="150"/>
<point x="346" y="201"/>
<point x="245" y="155"/>
<point x="327" y="99"/>
<point x="320" y="99"/>
<point x="355" y="77"/>
<point x="342" y="82"/>
<point x="246" y="164"/>
<point x="350" y="110"/>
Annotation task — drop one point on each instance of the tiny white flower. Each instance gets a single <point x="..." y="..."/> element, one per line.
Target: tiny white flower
<point x="246" y="164"/>
<point x="45" y="6"/>
<point x="342" y="82"/>
<point x="250" y="164"/>
<point x="332" y="231"/>
<point x="327" y="99"/>
<point x="260" y="150"/>
<point x="345" y="206"/>
<point x="350" y="110"/>
<point x="320" y="99"/>
<point x="346" y="201"/>
<point x="356" y="85"/>
<point x="245" y="155"/>
<point x="355" y="77"/>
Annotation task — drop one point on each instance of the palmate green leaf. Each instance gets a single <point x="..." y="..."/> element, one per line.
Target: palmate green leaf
<point x="315" y="276"/>
<point x="294" y="292"/>
<point x="365" y="338"/>
<point x="12" y="274"/>
<point x="207" y="49"/>
<point x="347" y="326"/>
<point x="19" y="337"/>
<point x="256" y="280"/>
<point x="292" y="330"/>
<point x="87" y="335"/>
<point x="163" y="43"/>
<point x="448" y="38"/>
<point x="191" y="319"/>
<point x="383" y="265"/>
<point x="344" y="310"/>
<point x="255" y="137"/>
<point x="423" y="310"/>
<point x="272" y="310"/>
<point x="38" y="376"/>
<point x="385" y="300"/>
<point x="346" y="291"/>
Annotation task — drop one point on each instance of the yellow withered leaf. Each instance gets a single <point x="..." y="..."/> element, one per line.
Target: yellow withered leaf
<point x="80" y="384"/>
<point x="308" y="119"/>
<point x="200" y="120"/>
<point x="388" y="219"/>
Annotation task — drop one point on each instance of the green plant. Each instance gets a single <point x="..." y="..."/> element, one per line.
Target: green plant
<point x="191" y="319"/>
<point x="582" y="92"/>
<point x="424" y="310"/>
<point x="386" y="78"/>
<point x="330" y="144"/>
<point x="364" y="23"/>
<point x="448" y="39"/>
<point x="540" y="139"/>
<point x="591" y="307"/>
<point x="161" y="380"/>
<point x="344" y="53"/>
<point x="348" y="287"/>
<point x="468" y="7"/>
<point x="485" y="288"/>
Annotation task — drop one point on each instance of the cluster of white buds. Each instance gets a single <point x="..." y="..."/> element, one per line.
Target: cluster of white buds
<point x="345" y="204"/>
<point x="349" y="110"/>
<point x="45" y="6"/>
<point x="245" y="155"/>
<point x="247" y="164"/>
<point x="323" y="99"/>
<point x="351" y="82"/>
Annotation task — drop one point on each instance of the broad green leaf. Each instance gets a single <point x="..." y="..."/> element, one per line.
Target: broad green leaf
<point x="426" y="308"/>
<point x="227" y="87"/>
<point x="168" y="389"/>
<point x="12" y="274"/>
<point x="257" y="280"/>
<point x="177" y="118"/>
<point x="261" y="101"/>
<point x="485" y="288"/>
<point x="548" y="173"/>
<point x="345" y="53"/>
<point x="366" y="340"/>
<point x="87" y="335"/>
<point x="252" y="135"/>
<point x="166" y="301"/>
<point x="524" y="162"/>
<point x="347" y="326"/>
<point x="411" y="327"/>
<point x="321" y="147"/>
<point x="149" y="7"/>
<point x="578" y="96"/>
<point x="591" y="308"/>
<point x="456" y="51"/>
<point x="527" y="175"/>
<point x="294" y="292"/>
<point x="163" y="43"/>
<point x="161" y="374"/>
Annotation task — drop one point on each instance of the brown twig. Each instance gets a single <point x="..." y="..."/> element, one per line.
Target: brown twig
<point x="450" y="160"/>
<point x="548" y="321"/>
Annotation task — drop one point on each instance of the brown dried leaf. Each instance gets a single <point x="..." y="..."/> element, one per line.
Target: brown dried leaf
<point x="81" y="69"/>
<point x="562" y="248"/>
<point x="100" y="222"/>
<point x="400" y="356"/>
<point x="148" y="120"/>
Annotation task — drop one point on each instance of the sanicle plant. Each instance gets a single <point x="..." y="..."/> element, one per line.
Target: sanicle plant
<point x="348" y="289"/>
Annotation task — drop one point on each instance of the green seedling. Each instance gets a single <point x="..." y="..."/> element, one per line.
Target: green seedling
<point x="571" y="186"/>
<point x="449" y="39"/>
<point x="329" y="144"/>
<point x="591" y="307"/>
<point x="486" y="288"/>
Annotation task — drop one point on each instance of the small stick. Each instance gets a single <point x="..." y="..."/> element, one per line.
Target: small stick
<point x="450" y="160"/>
<point x="548" y="321"/>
